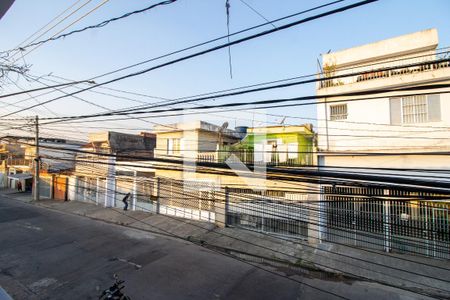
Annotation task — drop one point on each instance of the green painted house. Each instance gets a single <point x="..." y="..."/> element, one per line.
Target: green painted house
<point x="274" y="145"/>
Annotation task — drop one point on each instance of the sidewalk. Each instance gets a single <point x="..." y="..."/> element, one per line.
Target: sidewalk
<point x="414" y="273"/>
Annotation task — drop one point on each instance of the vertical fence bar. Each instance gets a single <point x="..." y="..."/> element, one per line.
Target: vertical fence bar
<point x="322" y="221"/>
<point x="387" y="222"/>
<point x="158" y="195"/>
<point x="97" y="192"/>
<point x="135" y="193"/>
<point x="227" y="204"/>
<point x="426" y="229"/>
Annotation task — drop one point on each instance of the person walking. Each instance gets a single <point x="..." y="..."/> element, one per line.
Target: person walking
<point x="19" y="186"/>
<point x="125" y="201"/>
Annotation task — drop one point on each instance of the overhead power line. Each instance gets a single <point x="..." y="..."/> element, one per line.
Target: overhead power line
<point x="99" y="25"/>
<point x="230" y="63"/>
<point x="258" y="13"/>
<point x="275" y="103"/>
<point x="45" y="88"/>
<point x="18" y="48"/>
<point x="308" y="175"/>
<point x="441" y="51"/>
<point x="265" y="83"/>
<point x="246" y="197"/>
<point x="217" y="39"/>
<point x="198" y="99"/>
<point x="70" y="25"/>
<point x="252" y="90"/>
<point x="337" y="253"/>
<point x="222" y="46"/>
<point x="284" y="85"/>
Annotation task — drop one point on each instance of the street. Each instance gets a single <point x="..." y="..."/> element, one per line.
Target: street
<point x="47" y="254"/>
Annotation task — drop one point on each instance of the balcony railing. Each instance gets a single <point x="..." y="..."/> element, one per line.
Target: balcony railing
<point x="440" y="61"/>
<point x="249" y="157"/>
<point x="208" y="156"/>
<point x="18" y="162"/>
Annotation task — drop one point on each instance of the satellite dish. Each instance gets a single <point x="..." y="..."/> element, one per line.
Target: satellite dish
<point x="223" y="127"/>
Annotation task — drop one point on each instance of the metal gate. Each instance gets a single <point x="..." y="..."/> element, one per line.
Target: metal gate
<point x="45" y="187"/>
<point x="372" y="218"/>
<point x="60" y="188"/>
<point x="188" y="199"/>
<point x="269" y="214"/>
<point x="145" y="198"/>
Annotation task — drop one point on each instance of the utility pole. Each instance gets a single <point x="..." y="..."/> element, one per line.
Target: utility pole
<point x="36" y="162"/>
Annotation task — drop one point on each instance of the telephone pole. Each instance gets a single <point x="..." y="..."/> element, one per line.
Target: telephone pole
<point x="36" y="162"/>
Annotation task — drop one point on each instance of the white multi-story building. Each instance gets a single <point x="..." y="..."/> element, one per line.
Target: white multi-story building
<point x="405" y="121"/>
<point x="365" y="125"/>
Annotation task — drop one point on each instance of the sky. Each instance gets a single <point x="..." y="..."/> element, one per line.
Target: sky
<point x="284" y="54"/>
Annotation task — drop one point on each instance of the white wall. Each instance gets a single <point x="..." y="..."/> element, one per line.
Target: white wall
<point x="436" y="165"/>
<point x="367" y="128"/>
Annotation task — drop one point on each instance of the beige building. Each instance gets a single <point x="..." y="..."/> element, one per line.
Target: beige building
<point x="191" y="189"/>
<point x="13" y="161"/>
<point x="105" y="178"/>
<point x="192" y="140"/>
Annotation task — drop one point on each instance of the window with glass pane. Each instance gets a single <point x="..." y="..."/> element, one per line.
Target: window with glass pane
<point x="414" y="109"/>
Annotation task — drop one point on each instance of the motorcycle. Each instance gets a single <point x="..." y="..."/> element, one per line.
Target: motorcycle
<point x="115" y="291"/>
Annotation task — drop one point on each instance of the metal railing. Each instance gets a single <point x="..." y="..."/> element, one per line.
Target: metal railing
<point x="18" y="162"/>
<point x="372" y="218"/>
<point x="269" y="214"/>
<point x="208" y="156"/>
<point x="402" y="226"/>
<point x="378" y="72"/>
<point x="248" y="156"/>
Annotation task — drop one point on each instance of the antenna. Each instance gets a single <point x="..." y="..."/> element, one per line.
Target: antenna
<point x="220" y="137"/>
<point x="223" y="127"/>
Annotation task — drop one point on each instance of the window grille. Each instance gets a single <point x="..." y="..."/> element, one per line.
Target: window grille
<point x="338" y="112"/>
<point x="414" y="109"/>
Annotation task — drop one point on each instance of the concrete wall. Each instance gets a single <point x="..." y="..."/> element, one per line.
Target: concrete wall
<point x="91" y="165"/>
<point x="398" y="46"/>
<point x="118" y="142"/>
<point x="62" y="159"/>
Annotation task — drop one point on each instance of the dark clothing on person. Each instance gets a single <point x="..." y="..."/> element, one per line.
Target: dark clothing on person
<point x="125" y="201"/>
<point x="19" y="186"/>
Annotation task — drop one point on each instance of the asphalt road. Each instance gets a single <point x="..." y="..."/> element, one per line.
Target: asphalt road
<point x="46" y="254"/>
